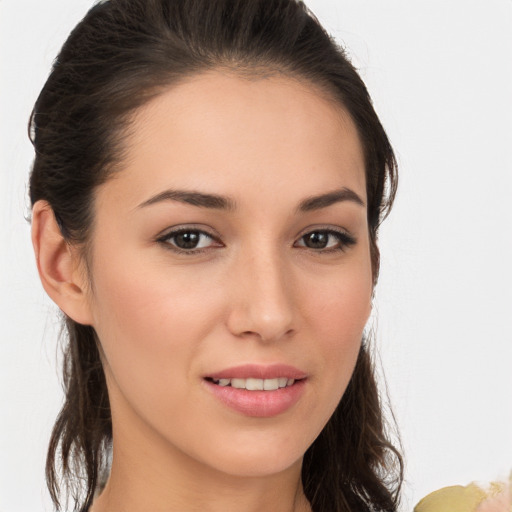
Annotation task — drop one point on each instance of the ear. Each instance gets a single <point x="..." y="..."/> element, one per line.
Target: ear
<point x="58" y="264"/>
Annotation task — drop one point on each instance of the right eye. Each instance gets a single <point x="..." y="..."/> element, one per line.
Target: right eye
<point x="188" y="240"/>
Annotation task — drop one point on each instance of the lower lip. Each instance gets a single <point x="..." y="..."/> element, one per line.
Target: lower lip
<point x="260" y="404"/>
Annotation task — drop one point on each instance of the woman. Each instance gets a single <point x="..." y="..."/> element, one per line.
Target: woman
<point x="207" y="190"/>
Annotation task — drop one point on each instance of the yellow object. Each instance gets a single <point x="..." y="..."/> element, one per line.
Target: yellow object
<point x="472" y="498"/>
<point x="452" y="499"/>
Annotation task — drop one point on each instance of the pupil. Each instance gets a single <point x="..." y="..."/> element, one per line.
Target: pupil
<point x="187" y="240"/>
<point x="317" y="240"/>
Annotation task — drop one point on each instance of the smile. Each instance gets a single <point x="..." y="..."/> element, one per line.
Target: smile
<point x="253" y="384"/>
<point x="256" y="390"/>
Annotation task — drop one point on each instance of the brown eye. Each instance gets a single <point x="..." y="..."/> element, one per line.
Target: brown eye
<point x="188" y="240"/>
<point x="316" y="240"/>
<point x="327" y="240"/>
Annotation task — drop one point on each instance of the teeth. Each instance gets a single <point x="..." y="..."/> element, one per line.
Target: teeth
<point x="256" y="384"/>
<point x="270" y="384"/>
<point x="238" y="383"/>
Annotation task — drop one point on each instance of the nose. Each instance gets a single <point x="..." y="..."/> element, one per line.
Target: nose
<point x="261" y="299"/>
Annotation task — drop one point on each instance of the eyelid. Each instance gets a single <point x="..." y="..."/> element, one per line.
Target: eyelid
<point x="324" y="227"/>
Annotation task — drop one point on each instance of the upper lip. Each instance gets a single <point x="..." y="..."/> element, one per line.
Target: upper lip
<point x="258" y="371"/>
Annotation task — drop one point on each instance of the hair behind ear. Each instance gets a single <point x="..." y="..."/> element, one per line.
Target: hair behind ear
<point x="353" y="454"/>
<point x="82" y="435"/>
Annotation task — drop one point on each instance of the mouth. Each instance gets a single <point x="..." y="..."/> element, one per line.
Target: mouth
<point x="258" y="390"/>
<point x="255" y="384"/>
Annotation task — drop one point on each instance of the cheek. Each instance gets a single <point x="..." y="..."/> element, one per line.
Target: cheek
<point x="143" y="298"/>
<point x="341" y="314"/>
<point x="150" y="325"/>
<point x="339" y="311"/>
<point x="339" y="303"/>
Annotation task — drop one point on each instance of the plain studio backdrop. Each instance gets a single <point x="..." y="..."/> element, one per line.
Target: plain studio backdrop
<point x="440" y="74"/>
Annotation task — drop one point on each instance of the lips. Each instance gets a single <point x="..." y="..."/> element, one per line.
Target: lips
<point x="258" y="390"/>
<point x="254" y="371"/>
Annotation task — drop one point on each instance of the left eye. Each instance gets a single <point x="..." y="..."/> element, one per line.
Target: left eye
<point x="326" y="239"/>
<point x="188" y="239"/>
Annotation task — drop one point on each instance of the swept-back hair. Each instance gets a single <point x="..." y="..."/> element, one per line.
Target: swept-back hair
<point x="122" y="54"/>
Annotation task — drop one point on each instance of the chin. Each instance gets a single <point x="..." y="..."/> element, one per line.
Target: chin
<point x="247" y="456"/>
<point x="259" y="467"/>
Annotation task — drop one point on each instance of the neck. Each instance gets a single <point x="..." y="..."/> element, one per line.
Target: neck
<point x="131" y="490"/>
<point x="153" y="476"/>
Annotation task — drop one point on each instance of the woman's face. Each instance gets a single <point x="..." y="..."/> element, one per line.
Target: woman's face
<point x="231" y="252"/>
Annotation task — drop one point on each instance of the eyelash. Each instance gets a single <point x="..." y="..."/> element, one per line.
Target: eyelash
<point x="344" y="240"/>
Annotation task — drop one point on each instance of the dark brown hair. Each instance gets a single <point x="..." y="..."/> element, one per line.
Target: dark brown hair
<point x="123" y="53"/>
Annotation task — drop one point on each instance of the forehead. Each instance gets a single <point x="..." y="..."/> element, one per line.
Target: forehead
<point x="223" y="133"/>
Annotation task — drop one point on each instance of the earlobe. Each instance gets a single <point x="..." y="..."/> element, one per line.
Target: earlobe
<point x="58" y="265"/>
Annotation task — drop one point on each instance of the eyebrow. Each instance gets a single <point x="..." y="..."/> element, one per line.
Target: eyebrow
<point x="218" y="202"/>
<point x="194" y="198"/>
<point x="328" y="199"/>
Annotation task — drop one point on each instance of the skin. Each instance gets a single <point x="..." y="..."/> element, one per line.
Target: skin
<point x="255" y="293"/>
